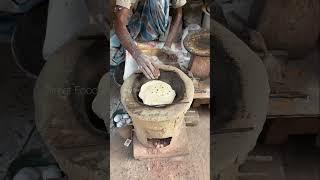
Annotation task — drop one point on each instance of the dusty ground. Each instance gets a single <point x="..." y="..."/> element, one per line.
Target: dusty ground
<point x="298" y="159"/>
<point x="194" y="166"/>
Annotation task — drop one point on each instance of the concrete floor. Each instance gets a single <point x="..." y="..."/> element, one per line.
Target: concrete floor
<point x="18" y="135"/>
<point x="194" y="166"/>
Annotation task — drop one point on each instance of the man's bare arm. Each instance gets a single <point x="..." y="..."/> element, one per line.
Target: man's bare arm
<point x="177" y="20"/>
<point x="121" y="21"/>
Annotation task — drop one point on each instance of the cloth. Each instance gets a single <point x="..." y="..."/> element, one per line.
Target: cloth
<point x="149" y="22"/>
<point x="132" y="4"/>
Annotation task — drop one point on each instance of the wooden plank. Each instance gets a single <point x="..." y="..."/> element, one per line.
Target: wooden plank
<point x="280" y="129"/>
<point x="299" y="92"/>
<point x="198" y="102"/>
<point x="201" y="89"/>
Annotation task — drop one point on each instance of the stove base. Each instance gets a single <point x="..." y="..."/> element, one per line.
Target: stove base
<point x="180" y="148"/>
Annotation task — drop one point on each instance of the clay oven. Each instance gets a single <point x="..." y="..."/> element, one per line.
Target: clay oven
<point x="161" y="122"/>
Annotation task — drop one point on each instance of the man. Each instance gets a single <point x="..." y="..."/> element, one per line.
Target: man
<point x="149" y="22"/>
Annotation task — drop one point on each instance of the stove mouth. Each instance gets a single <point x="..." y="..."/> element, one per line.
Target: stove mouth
<point x="159" y="143"/>
<point x="170" y="77"/>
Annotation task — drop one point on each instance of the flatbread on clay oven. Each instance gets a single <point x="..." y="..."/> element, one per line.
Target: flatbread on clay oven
<point x="156" y="92"/>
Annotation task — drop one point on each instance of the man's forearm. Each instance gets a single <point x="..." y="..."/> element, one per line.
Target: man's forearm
<point x="174" y="27"/>
<point x="143" y="62"/>
<point x="126" y="41"/>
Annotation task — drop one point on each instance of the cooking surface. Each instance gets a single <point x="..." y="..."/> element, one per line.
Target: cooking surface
<point x="198" y="43"/>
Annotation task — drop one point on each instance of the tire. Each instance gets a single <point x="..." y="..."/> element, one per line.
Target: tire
<point x="63" y="118"/>
<point x="231" y="148"/>
<point x="28" y="38"/>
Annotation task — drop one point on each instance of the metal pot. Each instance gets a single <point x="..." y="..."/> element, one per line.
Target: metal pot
<point x="198" y="45"/>
<point x="200" y="66"/>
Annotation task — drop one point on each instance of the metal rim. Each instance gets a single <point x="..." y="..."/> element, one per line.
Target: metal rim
<point x="191" y="38"/>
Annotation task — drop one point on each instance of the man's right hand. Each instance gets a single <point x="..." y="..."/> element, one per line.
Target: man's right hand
<point x="143" y="61"/>
<point x="147" y="67"/>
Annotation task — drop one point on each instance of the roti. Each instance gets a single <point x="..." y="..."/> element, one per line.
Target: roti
<point x="156" y="92"/>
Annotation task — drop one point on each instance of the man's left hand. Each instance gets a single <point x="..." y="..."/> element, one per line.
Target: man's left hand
<point x="172" y="56"/>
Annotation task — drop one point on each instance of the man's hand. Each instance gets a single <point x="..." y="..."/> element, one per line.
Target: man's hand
<point x="147" y="67"/>
<point x="144" y="62"/>
<point x="174" y="28"/>
<point x="170" y="53"/>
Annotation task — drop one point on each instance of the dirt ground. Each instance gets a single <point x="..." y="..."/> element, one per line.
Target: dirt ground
<point x="194" y="166"/>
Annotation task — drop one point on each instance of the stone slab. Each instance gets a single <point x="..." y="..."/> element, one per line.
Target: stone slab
<point x="192" y="117"/>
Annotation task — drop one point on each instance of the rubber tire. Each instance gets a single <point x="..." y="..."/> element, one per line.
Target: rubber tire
<point x="80" y="152"/>
<point x="232" y="148"/>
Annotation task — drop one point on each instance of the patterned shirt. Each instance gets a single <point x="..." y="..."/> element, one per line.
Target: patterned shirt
<point x="132" y="4"/>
